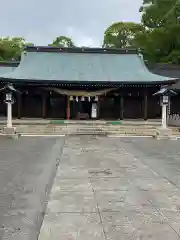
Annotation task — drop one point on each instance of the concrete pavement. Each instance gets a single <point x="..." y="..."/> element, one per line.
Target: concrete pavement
<point x="27" y="169"/>
<point x="115" y="188"/>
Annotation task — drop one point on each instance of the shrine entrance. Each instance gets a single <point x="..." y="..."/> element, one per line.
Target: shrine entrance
<point x="81" y="109"/>
<point x="84" y="109"/>
<point x="81" y="104"/>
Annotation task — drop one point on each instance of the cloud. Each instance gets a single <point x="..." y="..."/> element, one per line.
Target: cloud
<point x="83" y="20"/>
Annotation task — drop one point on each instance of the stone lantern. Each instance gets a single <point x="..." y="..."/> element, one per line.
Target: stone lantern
<point x="164" y="93"/>
<point x="9" y="90"/>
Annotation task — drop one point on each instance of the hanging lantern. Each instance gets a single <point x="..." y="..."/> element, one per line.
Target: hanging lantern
<point x="82" y="99"/>
<point x="77" y="100"/>
<point x="89" y="99"/>
<point x="71" y="98"/>
<point x="96" y="98"/>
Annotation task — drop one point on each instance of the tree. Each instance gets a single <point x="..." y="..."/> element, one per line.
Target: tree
<point x="11" y="48"/>
<point x="121" y="34"/>
<point x="160" y="13"/>
<point x="152" y="45"/>
<point x="63" y="41"/>
<point x="161" y="18"/>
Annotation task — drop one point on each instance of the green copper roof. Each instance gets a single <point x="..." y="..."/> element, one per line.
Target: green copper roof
<point x="82" y="66"/>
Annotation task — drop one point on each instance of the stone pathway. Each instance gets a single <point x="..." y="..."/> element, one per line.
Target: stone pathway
<point x="102" y="192"/>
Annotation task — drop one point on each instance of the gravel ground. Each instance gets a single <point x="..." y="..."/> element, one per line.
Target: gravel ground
<point x="27" y="171"/>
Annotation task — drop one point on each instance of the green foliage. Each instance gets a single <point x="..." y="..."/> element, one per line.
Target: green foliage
<point x="162" y="40"/>
<point x="63" y="41"/>
<point x="121" y="34"/>
<point x="173" y="57"/>
<point x="158" y="35"/>
<point x="160" y="13"/>
<point x="11" y="48"/>
<point x="155" y="44"/>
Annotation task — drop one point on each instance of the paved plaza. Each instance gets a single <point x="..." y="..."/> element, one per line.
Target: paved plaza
<point x="104" y="188"/>
<point x="27" y="170"/>
<point x="115" y="189"/>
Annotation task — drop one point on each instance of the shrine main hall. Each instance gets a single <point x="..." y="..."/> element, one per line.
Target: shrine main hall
<point x="83" y="83"/>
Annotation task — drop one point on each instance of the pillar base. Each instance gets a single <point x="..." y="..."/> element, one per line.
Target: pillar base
<point x="9" y="130"/>
<point x="163" y="133"/>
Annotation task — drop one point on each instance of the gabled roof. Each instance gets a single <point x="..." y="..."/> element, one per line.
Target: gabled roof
<point x="165" y="91"/>
<point x="82" y="65"/>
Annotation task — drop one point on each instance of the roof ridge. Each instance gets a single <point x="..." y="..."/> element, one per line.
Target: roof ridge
<point x="81" y="50"/>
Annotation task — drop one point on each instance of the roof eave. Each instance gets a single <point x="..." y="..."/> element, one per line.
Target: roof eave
<point x="9" y="63"/>
<point x="38" y="81"/>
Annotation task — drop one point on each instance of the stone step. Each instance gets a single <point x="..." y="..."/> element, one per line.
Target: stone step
<point x="89" y="133"/>
<point x="68" y="129"/>
<point x="80" y="127"/>
<point x="86" y="127"/>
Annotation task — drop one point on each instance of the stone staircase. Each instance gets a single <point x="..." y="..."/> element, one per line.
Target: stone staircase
<point x="90" y="128"/>
<point x="75" y="129"/>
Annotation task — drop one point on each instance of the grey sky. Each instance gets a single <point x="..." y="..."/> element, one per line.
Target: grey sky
<point x="83" y="20"/>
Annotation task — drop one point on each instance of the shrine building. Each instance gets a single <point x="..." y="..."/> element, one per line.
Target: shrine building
<point x="83" y="83"/>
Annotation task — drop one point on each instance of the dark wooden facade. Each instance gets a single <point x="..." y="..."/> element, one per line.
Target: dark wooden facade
<point x="123" y="103"/>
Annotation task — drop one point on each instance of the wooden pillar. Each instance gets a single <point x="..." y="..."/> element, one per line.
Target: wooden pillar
<point x="19" y="105"/>
<point x="98" y="108"/>
<point x="68" y="108"/>
<point x="121" y="107"/>
<point x="145" y="106"/>
<point x="44" y="100"/>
